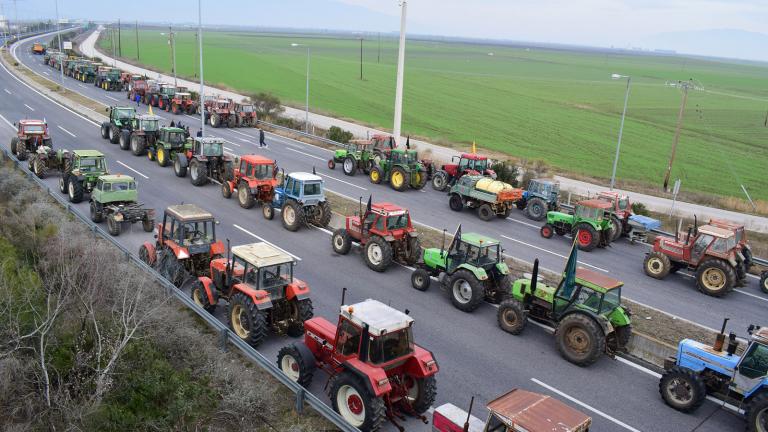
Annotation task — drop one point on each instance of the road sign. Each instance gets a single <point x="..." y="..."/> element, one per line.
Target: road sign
<point x="68" y="45"/>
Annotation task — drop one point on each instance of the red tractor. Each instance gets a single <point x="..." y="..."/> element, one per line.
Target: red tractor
<point x="219" y="112"/>
<point x="620" y="212"/>
<point x="245" y="115"/>
<point x="384" y="232"/>
<point x="30" y="134"/>
<point x="185" y="244"/>
<point x="182" y="102"/>
<point x="254" y="180"/>
<point x="468" y="163"/>
<point x="206" y="161"/>
<point x="262" y="293"/>
<point x="375" y="370"/>
<point x="709" y="251"/>
<point x="138" y="87"/>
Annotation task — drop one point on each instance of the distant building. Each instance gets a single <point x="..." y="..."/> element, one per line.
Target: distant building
<point x="3" y="24"/>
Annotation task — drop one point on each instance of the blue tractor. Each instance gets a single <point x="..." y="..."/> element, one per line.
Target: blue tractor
<point x="699" y="370"/>
<point x="539" y="198"/>
<point x="301" y="200"/>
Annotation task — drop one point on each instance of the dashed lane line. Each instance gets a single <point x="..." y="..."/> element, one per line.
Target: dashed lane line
<point x="70" y="133"/>
<point x="137" y="172"/>
<point x="265" y="241"/>
<point x="554" y="253"/>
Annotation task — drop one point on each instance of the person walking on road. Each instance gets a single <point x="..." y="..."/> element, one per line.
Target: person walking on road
<point x="199" y="133"/>
<point x="138" y="98"/>
<point x="262" y="143"/>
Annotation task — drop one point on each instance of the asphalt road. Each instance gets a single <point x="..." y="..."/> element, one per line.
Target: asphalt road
<point x="474" y="355"/>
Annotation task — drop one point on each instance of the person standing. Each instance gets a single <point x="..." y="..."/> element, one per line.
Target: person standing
<point x="262" y="143"/>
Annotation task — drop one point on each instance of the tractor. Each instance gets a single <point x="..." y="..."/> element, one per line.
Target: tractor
<point x="380" y="144"/>
<point x="375" y="370"/>
<point x="206" y="161"/>
<point x="46" y="159"/>
<point x="182" y="102"/>
<point x="709" y="251"/>
<point x="353" y="156"/>
<point x="468" y="163"/>
<point x="245" y="115"/>
<point x="81" y="170"/>
<point x="585" y="309"/>
<point x="472" y="269"/>
<point x="490" y="197"/>
<point x="401" y="168"/>
<point x="590" y="224"/>
<point x="108" y="78"/>
<point x="115" y="197"/>
<point x="518" y="410"/>
<point x="301" y="198"/>
<point x="741" y="243"/>
<point x="254" y="180"/>
<point x="621" y="210"/>
<point x="120" y="119"/>
<point x="185" y="244"/>
<point x="142" y="133"/>
<point x="539" y="198"/>
<point x="218" y="112"/>
<point x="38" y="48"/>
<point x="137" y="86"/>
<point x="159" y="94"/>
<point x="170" y="142"/>
<point x="385" y="233"/>
<point x="699" y="371"/>
<point x="764" y="281"/>
<point x="262" y="293"/>
<point x="30" y="134"/>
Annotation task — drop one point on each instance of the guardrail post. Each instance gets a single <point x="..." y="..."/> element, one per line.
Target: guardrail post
<point x="223" y="340"/>
<point x="300" y="400"/>
<point x="569" y="198"/>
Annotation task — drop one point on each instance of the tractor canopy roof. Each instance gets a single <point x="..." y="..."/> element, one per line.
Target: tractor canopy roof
<point x="546" y="181"/>
<point x="305" y="177"/>
<point x="716" y="231"/>
<point x="210" y="140"/>
<point x="473" y="156"/>
<point x="146" y="117"/>
<point x="88" y="153"/>
<point x="185" y="212"/>
<point x="116" y="178"/>
<point x="381" y="319"/>
<point x="722" y="223"/>
<point x="478" y="240"/>
<point x="524" y="410"/>
<point x="182" y="94"/>
<point x="595" y="203"/>
<point x="261" y="254"/>
<point x="388" y="209"/>
<point x="597" y="279"/>
<point x="609" y="194"/>
<point x="761" y="335"/>
<point x="28" y="122"/>
<point x="173" y="129"/>
<point x="257" y="160"/>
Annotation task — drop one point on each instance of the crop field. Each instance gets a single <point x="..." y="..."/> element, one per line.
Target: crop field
<point x="556" y="105"/>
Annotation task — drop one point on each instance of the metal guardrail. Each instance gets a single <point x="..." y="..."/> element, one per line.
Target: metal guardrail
<point x="298" y="132"/>
<point x="225" y="334"/>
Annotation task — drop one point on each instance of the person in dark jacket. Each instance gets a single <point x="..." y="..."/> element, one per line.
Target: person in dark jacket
<point x="262" y="143"/>
<point x="199" y="133"/>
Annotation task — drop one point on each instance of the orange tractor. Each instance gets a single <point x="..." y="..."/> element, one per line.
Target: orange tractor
<point x="254" y="180"/>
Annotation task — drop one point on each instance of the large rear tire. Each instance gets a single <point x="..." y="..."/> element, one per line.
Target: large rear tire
<point x="75" y="190"/>
<point x="301" y="310"/>
<point x="292" y="215"/>
<point x="244" y="195"/>
<point x="349" y="166"/>
<point x="715" y="277"/>
<point x="757" y="414"/>
<point x="485" y="212"/>
<point x="352" y="400"/>
<point x="377" y="254"/>
<point x="375" y="175"/>
<point x="138" y="145"/>
<point x="399" y="179"/>
<point x="455" y="202"/>
<point x="180" y="171"/>
<point x="536" y="209"/>
<point x="198" y="173"/>
<point x="617" y="228"/>
<point x="440" y="181"/>
<point x="246" y="320"/>
<point x="579" y="339"/>
<point x="764" y="282"/>
<point x="323" y="214"/>
<point x="657" y="265"/>
<point x="467" y="293"/>
<point x="125" y="139"/>
<point x="422" y="393"/>
<point x="682" y="389"/>
<point x="200" y="297"/>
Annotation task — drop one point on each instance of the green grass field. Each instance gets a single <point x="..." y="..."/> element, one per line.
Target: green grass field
<point x="559" y="106"/>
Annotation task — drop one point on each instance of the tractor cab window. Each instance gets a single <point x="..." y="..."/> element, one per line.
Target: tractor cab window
<point x="391" y="346"/>
<point x="464" y="163"/>
<point x="124" y="113"/>
<point x="91" y="164"/>
<point x="410" y="157"/>
<point x="348" y="339"/>
<point x="249" y="170"/>
<point x="381" y="223"/>
<point x="398" y="157"/>
<point x="701" y="244"/>
<point x="275" y="276"/>
<point x="175" y="138"/>
<point x="369" y="218"/>
<point x="611" y="300"/>
<point x="397" y="222"/>
<point x="106" y="187"/>
<point x="197" y="232"/>
<point x="495" y="424"/>
<point x="264" y="171"/>
<point x="313" y="189"/>
<point x="488" y="255"/>
<point x="296" y="189"/>
<point x="481" y="165"/>
<point x="212" y="149"/>
<point x="149" y="125"/>
<point x="723" y="245"/>
<point x="566" y="292"/>
<point x="584" y="212"/>
<point x="589" y="298"/>
<point x="624" y="203"/>
<point x="755" y="362"/>
<point x="739" y="235"/>
<point x="247" y="108"/>
<point x="121" y="186"/>
<point x="34" y="129"/>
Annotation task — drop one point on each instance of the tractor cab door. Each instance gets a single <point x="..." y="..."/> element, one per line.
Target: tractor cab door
<point x="465" y="164"/>
<point x="699" y="247"/>
<point x="752" y="369"/>
<point x="347" y="339"/>
<point x="458" y="254"/>
<point x="565" y="296"/>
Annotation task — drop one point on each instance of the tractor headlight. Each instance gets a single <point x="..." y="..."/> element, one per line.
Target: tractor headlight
<point x="382" y="382"/>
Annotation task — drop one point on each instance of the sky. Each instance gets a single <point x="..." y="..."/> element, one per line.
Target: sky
<point x="665" y="24"/>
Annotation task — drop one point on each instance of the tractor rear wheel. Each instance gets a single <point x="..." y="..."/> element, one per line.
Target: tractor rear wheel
<point x="440" y="181"/>
<point x="349" y="166"/>
<point x="125" y="139"/>
<point x="323" y="214"/>
<point x="14" y="144"/>
<point x="161" y="156"/>
<point x="657" y="265"/>
<point x="421" y="392"/>
<point x="244" y="195"/>
<point x="105" y="130"/>
<point x="39" y="168"/>
<point x="377" y="254"/>
<point x="375" y="175"/>
<point x="764" y="282"/>
<point x="455" y="202"/>
<point x="511" y="316"/>
<point x="180" y="171"/>
<point x="547" y="231"/>
<point x="114" y="134"/>
<point x="298" y="363"/>
<point x="419" y="179"/>
<point x="352" y="400"/>
<point x="399" y="179"/>
<point x="341" y="241"/>
<point x="587" y="237"/>
<point x="96" y="213"/>
<point x="536" y="209"/>
<point x="617" y="228"/>
<point x="63" y="183"/>
<point x="757" y="414"/>
<point x="138" y="144"/>
<point x="301" y="310"/>
<point x="198" y="172"/>
<point x="420" y="279"/>
<point x="113" y="226"/>
<point x="226" y="190"/>
<point x="246" y="320"/>
<point x="147" y="224"/>
<point x="682" y="389"/>
<point x="467" y="293"/>
<point x="215" y="120"/>
<point x="715" y="277"/>
<point x="200" y="297"/>
<point x="579" y="339"/>
<point x="268" y="211"/>
<point x="505" y="214"/>
<point x="75" y="190"/>
<point x="414" y="250"/>
<point x="292" y="215"/>
<point x="485" y="212"/>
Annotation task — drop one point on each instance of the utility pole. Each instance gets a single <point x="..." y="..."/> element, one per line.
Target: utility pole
<point x="61" y="47"/>
<point x="119" y="40"/>
<point x="361" y="58"/>
<point x="137" y="40"/>
<point x="685" y="85"/>
<point x="621" y="127"/>
<point x="400" y="67"/>
<point x="200" y="48"/>
<point x="172" y="43"/>
<point x="378" y="58"/>
<point x="16" y="13"/>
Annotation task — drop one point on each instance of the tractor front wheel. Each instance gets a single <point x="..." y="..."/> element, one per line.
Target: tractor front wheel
<point x="399" y="179"/>
<point x="244" y="195"/>
<point x="331" y="164"/>
<point x="292" y="215"/>
<point x="96" y="213"/>
<point x="657" y="265"/>
<point x="39" y="168"/>
<point x="341" y="241"/>
<point x="352" y="400"/>
<point x="757" y="414"/>
<point x="467" y="293"/>
<point x="511" y="316"/>
<point x="226" y="190"/>
<point x="147" y="224"/>
<point x="485" y="212"/>
<point x="579" y="339"/>
<point x="536" y="209"/>
<point x="587" y="237"/>
<point x="420" y="279"/>
<point x="105" y="130"/>
<point x="350" y="166"/>
<point x="161" y="156"/>
<point x="375" y="175"/>
<point x="114" y="134"/>
<point x="200" y="297"/>
<point x="440" y="181"/>
<point x="419" y="179"/>
<point x="715" y="277"/>
<point x="125" y="139"/>
<point x="246" y="320"/>
<point x="764" y="282"/>
<point x="298" y="363"/>
<point x="547" y="231"/>
<point x="682" y="389"/>
<point x="421" y="392"/>
<point x="455" y="202"/>
<point x="268" y="211"/>
<point x="377" y="254"/>
<point x="113" y="226"/>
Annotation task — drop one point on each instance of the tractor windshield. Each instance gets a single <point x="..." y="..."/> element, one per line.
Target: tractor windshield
<point x="198" y="232"/>
<point x="313" y="189"/>
<point x="149" y="125"/>
<point x="723" y="245"/>
<point x="391" y="346"/>
<point x="33" y="129"/>
<point x="588" y="212"/>
<point x="264" y="171"/>
<point x="213" y="149"/>
<point x="125" y="113"/>
<point x="120" y="186"/>
<point x="397" y="222"/>
<point x="247" y="108"/>
<point x="482" y="256"/>
<point x="92" y="165"/>
<point x="481" y="165"/>
<point x="275" y="276"/>
<point x="611" y="300"/>
<point x="624" y="203"/>
<point x="176" y="138"/>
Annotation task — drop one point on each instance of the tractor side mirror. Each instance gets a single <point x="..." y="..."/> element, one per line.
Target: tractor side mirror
<point x="106" y="109"/>
<point x="14" y="123"/>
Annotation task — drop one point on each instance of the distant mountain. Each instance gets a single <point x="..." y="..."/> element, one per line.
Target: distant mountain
<point x="728" y="43"/>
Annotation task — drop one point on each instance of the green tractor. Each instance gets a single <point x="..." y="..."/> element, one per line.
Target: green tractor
<point x="585" y="309"/>
<point x="115" y="197"/>
<point x="472" y="269"/>
<point x="590" y="224"/>
<point x="170" y="140"/>
<point x="353" y="156"/>
<point x="80" y="172"/>
<point x="401" y="168"/>
<point x="120" y="119"/>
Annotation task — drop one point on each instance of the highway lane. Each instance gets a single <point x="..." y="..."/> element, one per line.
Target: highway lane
<point x="676" y="295"/>
<point x="474" y="355"/>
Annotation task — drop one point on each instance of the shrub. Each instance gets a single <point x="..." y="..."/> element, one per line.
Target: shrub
<point x="338" y="134"/>
<point x="639" y="208"/>
<point x="287" y="122"/>
<point x="506" y="172"/>
<point x="267" y="105"/>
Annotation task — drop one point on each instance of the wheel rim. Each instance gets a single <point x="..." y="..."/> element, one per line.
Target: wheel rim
<point x="714" y="278"/>
<point x="351" y="405"/>
<point x="266" y="210"/>
<point x="72" y="190"/>
<point x="397" y="179"/>
<point x="577" y="340"/>
<point x="338" y="241"/>
<point x="161" y="155"/>
<point x="242" y="193"/>
<point x="289" y="215"/>
<point x="585" y="237"/>
<point x="439" y="182"/>
<point x="761" y="421"/>
<point x="419" y="280"/>
<point x="193" y="171"/>
<point x="197" y="297"/>
<point x="654" y="265"/>
<point x="547" y="232"/>
<point x="462" y="291"/>
<point x="290" y="367"/>
<point x="413" y="389"/>
<point x="535" y="209"/>
<point x="237" y="318"/>
<point x="375" y="176"/>
<point x="510" y="318"/>
<point x="348" y="165"/>
<point x="680" y="391"/>
<point x="374" y="254"/>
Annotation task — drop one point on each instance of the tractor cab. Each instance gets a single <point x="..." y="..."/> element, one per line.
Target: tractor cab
<point x="146" y="123"/>
<point x="474" y="249"/>
<point x="382" y="143"/>
<point x="620" y="204"/>
<point x="34" y="132"/>
<point x="208" y="147"/>
<point x="175" y="137"/>
<point x="383" y="219"/>
<point x="547" y="189"/>
<point x="122" y="115"/>
<point x="189" y="230"/>
<point x="256" y="168"/>
<point x="592" y="292"/>
<point x="245" y="108"/>
<point x="183" y="96"/>
<point x="115" y="188"/>
<point x="89" y="163"/>
<point x="261" y="266"/>
<point x="596" y="210"/>
<point x="472" y="162"/>
<point x="306" y="188"/>
<point x="704" y="241"/>
<point x="167" y="90"/>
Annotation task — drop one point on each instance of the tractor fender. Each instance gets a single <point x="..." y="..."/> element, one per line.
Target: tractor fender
<point x="260" y="297"/>
<point x="422" y="364"/>
<point x="502" y="268"/>
<point x="232" y="184"/>
<point x="389" y="238"/>
<point x="218" y="248"/>
<point x="152" y="252"/>
<point x="207" y="282"/>
<point x="479" y="272"/>
<point x="602" y="322"/>
<point x="298" y="289"/>
<point x="370" y="375"/>
<point x="182" y="160"/>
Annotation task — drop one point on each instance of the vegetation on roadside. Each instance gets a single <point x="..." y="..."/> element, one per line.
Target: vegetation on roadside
<point x="338" y="134"/>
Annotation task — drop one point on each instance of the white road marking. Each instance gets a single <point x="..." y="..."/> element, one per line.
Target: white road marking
<point x="233" y="143"/>
<point x="73" y="135"/>
<point x="243" y="139"/>
<point x="30" y="108"/>
<point x="306" y="154"/>
<point x="7" y="122"/>
<point x="7" y="91"/>
<point x="132" y="169"/>
<point x="584" y="405"/>
<point x="192" y="117"/>
<point x="340" y="180"/>
<point x="555" y="254"/>
<point x="110" y="97"/>
<point x="523" y="223"/>
<point x="81" y="85"/>
<point x="46" y="72"/>
<point x="751" y="295"/>
<point x="257" y="237"/>
<point x="240" y="133"/>
<point x="227" y="148"/>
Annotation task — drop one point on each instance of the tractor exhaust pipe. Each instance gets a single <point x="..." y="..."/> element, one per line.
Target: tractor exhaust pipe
<point x="343" y="295"/>
<point x="690" y="233"/>
<point x="695" y="226"/>
<point x="228" y="268"/>
<point x="469" y="415"/>
<point x="720" y="339"/>
<point x="534" y="276"/>
<point x="442" y="247"/>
